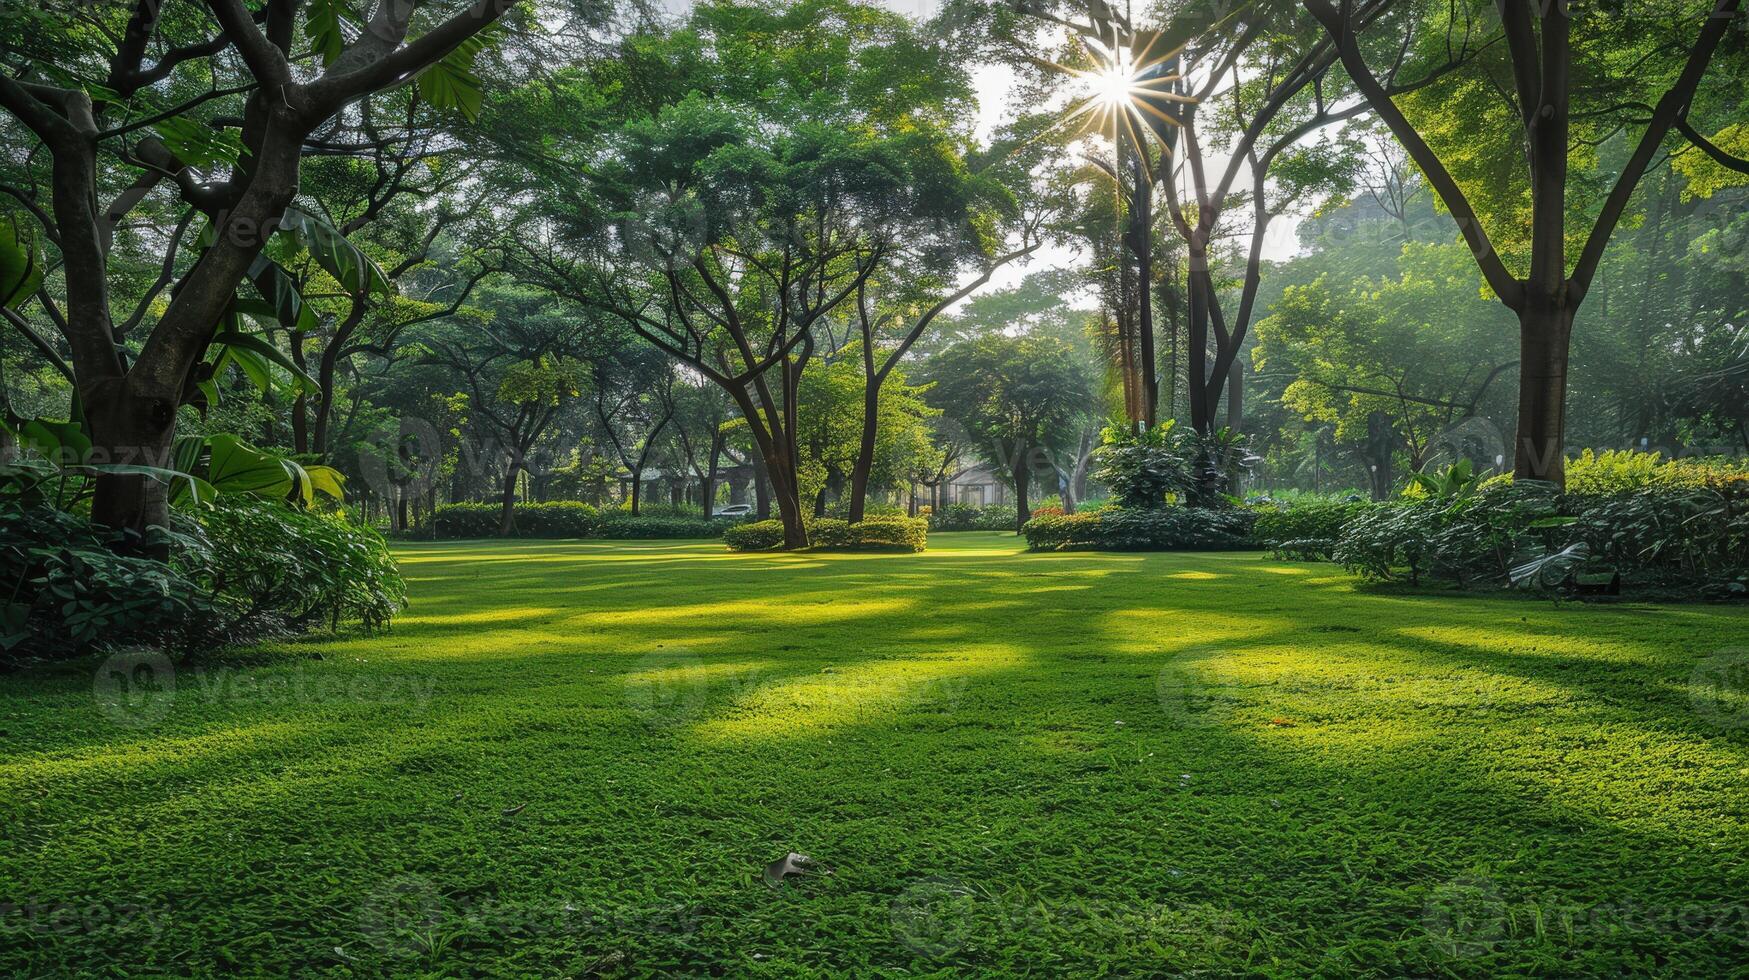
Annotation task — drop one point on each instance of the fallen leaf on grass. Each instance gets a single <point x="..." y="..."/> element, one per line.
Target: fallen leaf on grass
<point x="1281" y="723"/>
<point x="513" y="811"/>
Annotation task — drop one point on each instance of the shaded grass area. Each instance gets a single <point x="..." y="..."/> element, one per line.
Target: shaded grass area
<point x="1117" y="764"/>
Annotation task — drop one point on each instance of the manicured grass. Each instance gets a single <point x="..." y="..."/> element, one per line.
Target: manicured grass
<point x="1137" y="765"/>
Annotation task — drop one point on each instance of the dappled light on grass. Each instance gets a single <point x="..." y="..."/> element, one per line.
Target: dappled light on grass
<point x="508" y="614"/>
<point x="1088" y="758"/>
<point x="878" y="694"/>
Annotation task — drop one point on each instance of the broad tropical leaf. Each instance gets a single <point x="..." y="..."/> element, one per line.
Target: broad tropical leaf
<point x="21" y="268"/>
<point x="322" y="27"/>
<point x="198" y="144"/>
<point x="355" y="271"/>
<point x="451" y="83"/>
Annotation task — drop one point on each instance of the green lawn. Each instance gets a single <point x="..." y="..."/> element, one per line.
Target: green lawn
<point x="1182" y="764"/>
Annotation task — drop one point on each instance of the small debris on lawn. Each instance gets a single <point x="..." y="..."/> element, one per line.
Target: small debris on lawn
<point x="792" y="863"/>
<point x="1281" y="723"/>
<point x="513" y="811"/>
<point x="1119" y="724"/>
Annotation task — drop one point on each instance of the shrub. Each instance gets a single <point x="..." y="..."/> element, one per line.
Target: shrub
<point x="556" y="519"/>
<point x="1616" y="471"/>
<point x="965" y="517"/>
<point x="757" y="536"/>
<point x="571" y="519"/>
<point x="1136" y="529"/>
<point x="874" y="534"/>
<point x="1311" y="521"/>
<point x="1527" y="532"/>
<point x="1697" y="535"/>
<point x="274" y="570"/>
<point x="1304" y="549"/>
<point x="908" y="534"/>
<point x="1144" y="470"/>
<point x="68" y="591"/>
<point x="469" y="520"/>
<point x="621" y="526"/>
<point x="1479" y="537"/>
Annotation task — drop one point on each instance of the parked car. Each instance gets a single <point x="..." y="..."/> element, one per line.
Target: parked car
<point x="733" y="510"/>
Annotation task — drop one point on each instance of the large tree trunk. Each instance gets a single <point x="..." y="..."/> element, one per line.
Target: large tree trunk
<point x="761" y="486"/>
<point x="789" y="502"/>
<point x="1197" y="366"/>
<point x="127" y="426"/>
<point x="1140" y="239"/>
<point x="865" y="450"/>
<point x="507" y="521"/>
<point x="707" y="495"/>
<point x="1022" y="471"/>
<point x="1545" y="327"/>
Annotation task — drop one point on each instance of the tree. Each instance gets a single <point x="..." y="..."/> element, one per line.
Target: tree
<point x="1393" y="364"/>
<point x="1022" y="397"/>
<point x="727" y="219"/>
<point x="520" y="370"/>
<point x="91" y="130"/>
<point x="1544" y="62"/>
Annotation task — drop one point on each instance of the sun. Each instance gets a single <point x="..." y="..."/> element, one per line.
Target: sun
<point x="1114" y="86"/>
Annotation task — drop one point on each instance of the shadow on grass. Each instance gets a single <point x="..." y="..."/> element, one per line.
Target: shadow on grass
<point x="1079" y="763"/>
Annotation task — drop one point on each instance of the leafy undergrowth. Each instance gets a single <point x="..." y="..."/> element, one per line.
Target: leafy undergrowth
<point x="579" y="758"/>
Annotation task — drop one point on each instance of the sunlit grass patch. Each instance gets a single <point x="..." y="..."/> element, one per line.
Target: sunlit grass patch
<point x="577" y="757"/>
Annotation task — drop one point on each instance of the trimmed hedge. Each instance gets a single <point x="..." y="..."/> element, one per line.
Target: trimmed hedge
<point x="965" y="517"/>
<point x="1137" y="529"/>
<point x="570" y="519"/>
<point x="1307" y="532"/>
<point x="560" y="519"/>
<point x="625" y="527"/>
<point x="901" y="534"/>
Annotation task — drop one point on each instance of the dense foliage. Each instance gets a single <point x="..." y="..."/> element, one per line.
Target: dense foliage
<point x="570" y="519"/>
<point x="900" y="534"/>
<point x="274" y="570"/>
<point x="965" y="517"/>
<point x="68" y="590"/>
<point x="243" y="569"/>
<point x="1695" y="539"/>
<point x="1135" y="529"/>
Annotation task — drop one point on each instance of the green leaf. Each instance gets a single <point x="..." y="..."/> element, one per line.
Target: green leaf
<point x="280" y="290"/>
<point x="322" y="27"/>
<point x="237" y="467"/>
<point x="450" y="83"/>
<point x="355" y="271"/>
<point x="58" y="442"/>
<point x="198" y="144"/>
<point x="326" y="479"/>
<point x="260" y="348"/>
<point x="21" y="268"/>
